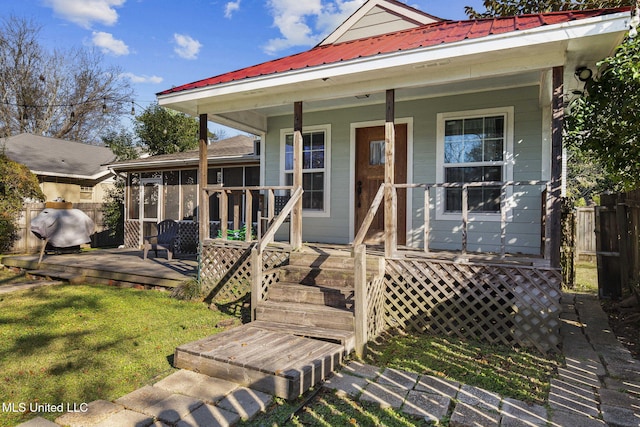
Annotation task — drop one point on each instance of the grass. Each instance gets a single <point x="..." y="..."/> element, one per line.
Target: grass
<point x="586" y="277"/>
<point x="80" y="343"/>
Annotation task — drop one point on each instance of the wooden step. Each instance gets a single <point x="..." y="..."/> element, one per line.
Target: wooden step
<point x="329" y="277"/>
<point x="309" y="294"/>
<point x="305" y="315"/>
<point x="277" y="363"/>
<point x="345" y="338"/>
<point x="320" y="260"/>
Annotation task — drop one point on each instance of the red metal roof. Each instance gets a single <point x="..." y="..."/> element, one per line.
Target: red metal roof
<point x="424" y="36"/>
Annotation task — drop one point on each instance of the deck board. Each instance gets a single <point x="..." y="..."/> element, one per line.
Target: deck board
<point x="275" y="362"/>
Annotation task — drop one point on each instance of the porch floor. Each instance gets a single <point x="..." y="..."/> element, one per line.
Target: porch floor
<point x="110" y="266"/>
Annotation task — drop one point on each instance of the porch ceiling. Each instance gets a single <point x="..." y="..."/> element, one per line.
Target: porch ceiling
<point x="484" y="64"/>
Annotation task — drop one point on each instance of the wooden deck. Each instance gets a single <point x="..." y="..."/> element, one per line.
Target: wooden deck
<point x="110" y="266"/>
<point x="275" y="362"/>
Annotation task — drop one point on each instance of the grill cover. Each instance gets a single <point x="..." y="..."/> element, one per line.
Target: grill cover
<point x="63" y="227"/>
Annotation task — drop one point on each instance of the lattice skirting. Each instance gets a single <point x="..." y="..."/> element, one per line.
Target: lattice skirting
<point x="132" y="234"/>
<point x="226" y="268"/>
<point x="494" y="303"/>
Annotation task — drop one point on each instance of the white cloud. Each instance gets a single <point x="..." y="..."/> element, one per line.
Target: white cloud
<point x="231" y="7"/>
<point x="142" y="79"/>
<point x="85" y="12"/>
<point x="186" y="46"/>
<point x="108" y="44"/>
<point x="305" y="23"/>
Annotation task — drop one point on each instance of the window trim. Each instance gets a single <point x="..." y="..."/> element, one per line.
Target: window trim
<point x="507" y="162"/>
<point x="326" y="128"/>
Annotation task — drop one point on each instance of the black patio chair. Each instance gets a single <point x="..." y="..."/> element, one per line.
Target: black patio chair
<point x="165" y="239"/>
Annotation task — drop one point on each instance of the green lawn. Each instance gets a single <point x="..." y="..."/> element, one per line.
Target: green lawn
<point x="77" y="344"/>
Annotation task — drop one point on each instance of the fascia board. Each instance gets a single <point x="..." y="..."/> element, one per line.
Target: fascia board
<point x="485" y="45"/>
<point x="93" y="177"/>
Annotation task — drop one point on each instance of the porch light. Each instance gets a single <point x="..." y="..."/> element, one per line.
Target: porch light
<point x="104" y="106"/>
<point x="583" y="74"/>
<point x="133" y="109"/>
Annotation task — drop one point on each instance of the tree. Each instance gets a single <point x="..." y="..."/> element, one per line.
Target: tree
<point x="605" y="122"/>
<point x="65" y="94"/>
<point x="496" y="8"/>
<point x="17" y="184"/>
<point x="164" y="131"/>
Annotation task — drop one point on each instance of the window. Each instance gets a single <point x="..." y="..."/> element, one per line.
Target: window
<point x="315" y="159"/>
<point x="474" y="147"/>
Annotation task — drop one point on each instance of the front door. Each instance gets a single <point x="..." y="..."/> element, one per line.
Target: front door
<point x="370" y="174"/>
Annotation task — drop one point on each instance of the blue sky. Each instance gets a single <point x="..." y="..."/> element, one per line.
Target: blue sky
<point x="163" y="43"/>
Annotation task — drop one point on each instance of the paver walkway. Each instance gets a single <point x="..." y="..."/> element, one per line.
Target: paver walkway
<point x="599" y="386"/>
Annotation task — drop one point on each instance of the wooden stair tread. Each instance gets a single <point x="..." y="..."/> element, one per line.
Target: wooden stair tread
<point x="304" y="331"/>
<point x="302" y="307"/>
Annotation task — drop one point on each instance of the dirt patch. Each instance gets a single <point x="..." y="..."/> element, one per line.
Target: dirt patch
<point x="624" y="319"/>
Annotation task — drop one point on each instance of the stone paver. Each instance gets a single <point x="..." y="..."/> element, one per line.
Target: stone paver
<point x="143" y="398"/>
<point x="345" y="384"/>
<point x="387" y="396"/>
<point x="96" y="412"/>
<point x="516" y="413"/>
<point x="561" y="418"/>
<point x="621" y="417"/>
<point x="440" y="386"/>
<point x="210" y="416"/>
<point x="475" y="396"/>
<point x="173" y="408"/>
<point x="206" y="388"/>
<point x="5" y="289"/>
<point x="246" y="402"/>
<point x="361" y="370"/>
<point x="126" y="417"/>
<point x="397" y="378"/>
<point x="38" y="422"/>
<point x="465" y="415"/>
<point x="428" y="406"/>
<point x="572" y="398"/>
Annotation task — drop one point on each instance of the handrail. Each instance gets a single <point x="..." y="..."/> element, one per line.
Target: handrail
<point x="368" y="219"/>
<point x="279" y="219"/>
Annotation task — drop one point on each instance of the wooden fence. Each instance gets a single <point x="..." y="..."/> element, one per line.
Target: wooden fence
<point x="617" y="225"/>
<point x="585" y="234"/>
<point x="28" y="243"/>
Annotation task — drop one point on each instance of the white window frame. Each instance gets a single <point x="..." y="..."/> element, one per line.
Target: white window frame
<point x="326" y="128"/>
<point x="507" y="162"/>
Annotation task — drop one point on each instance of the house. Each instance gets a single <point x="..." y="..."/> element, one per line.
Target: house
<point x="73" y="171"/>
<point x="441" y="140"/>
<point x="165" y="187"/>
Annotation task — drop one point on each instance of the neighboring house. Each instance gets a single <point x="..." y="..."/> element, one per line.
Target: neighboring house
<point x="73" y="171"/>
<point x="473" y="101"/>
<point x="165" y="187"/>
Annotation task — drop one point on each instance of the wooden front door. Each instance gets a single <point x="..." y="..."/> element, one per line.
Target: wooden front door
<point x="370" y="174"/>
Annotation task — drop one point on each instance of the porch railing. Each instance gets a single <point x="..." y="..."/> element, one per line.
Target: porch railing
<point x="274" y="222"/>
<point x="464" y="214"/>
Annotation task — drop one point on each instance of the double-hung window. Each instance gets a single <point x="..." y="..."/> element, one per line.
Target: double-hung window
<point x="474" y="147"/>
<point x="315" y="168"/>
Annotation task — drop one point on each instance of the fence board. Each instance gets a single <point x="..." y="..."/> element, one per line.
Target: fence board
<point x="585" y="234"/>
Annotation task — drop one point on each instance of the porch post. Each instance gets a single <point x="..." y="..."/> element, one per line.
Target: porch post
<point x="390" y="201"/>
<point x="296" y="213"/>
<point x="203" y="209"/>
<point x="557" y="119"/>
